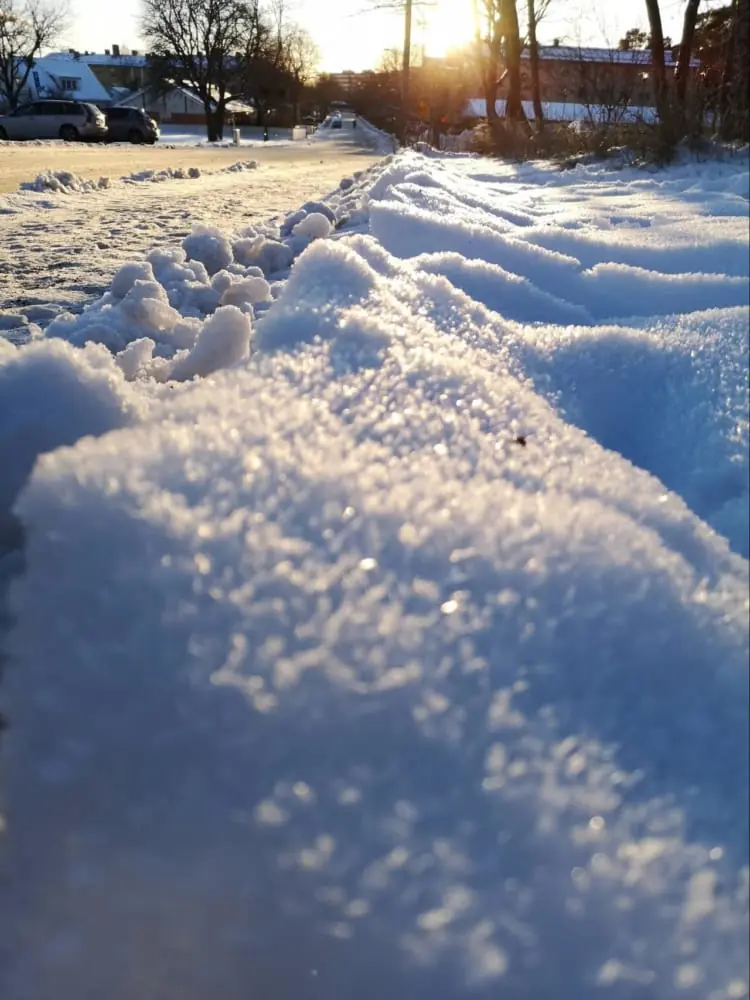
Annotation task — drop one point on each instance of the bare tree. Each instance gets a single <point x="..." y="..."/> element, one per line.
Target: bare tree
<point x="408" y="7"/>
<point x="734" y="110"/>
<point x="203" y="44"/>
<point x="536" y="87"/>
<point x="512" y="50"/>
<point x="26" y="27"/>
<point x="498" y="41"/>
<point x="300" y="59"/>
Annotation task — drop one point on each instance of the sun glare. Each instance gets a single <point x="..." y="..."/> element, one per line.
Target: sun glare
<point x="446" y="26"/>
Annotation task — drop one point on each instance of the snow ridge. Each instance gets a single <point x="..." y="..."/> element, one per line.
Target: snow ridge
<point x="392" y="566"/>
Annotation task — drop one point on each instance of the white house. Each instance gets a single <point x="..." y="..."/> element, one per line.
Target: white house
<point x="61" y="75"/>
<point x="179" y="106"/>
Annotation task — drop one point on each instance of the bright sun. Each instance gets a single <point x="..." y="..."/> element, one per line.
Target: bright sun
<point x="446" y="26"/>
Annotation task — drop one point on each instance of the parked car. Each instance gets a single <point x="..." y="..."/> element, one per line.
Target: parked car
<point x="69" y="120"/>
<point x="130" y="125"/>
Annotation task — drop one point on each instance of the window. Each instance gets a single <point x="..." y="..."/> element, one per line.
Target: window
<point x="70" y="84"/>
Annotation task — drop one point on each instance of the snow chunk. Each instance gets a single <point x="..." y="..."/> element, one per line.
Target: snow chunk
<point x="325" y="278"/>
<point x="269" y="255"/>
<point x="223" y="341"/>
<point x="168" y="174"/>
<point x="64" y="182"/>
<point x="248" y="290"/>
<point x="241" y="167"/>
<point x="127" y="276"/>
<point x="209" y="246"/>
<point x="135" y="356"/>
<point x="314" y="226"/>
<point x="52" y="394"/>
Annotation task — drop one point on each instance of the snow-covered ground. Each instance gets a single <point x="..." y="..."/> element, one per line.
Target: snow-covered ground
<point x="59" y="249"/>
<point x="195" y="135"/>
<point x="380" y="627"/>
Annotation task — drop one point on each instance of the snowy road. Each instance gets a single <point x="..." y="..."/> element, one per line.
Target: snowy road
<point x="62" y="249"/>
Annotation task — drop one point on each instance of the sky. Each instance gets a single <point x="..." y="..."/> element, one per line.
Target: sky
<point x="350" y="39"/>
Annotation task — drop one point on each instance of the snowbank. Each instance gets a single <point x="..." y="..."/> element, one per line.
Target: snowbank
<point x="376" y="641"/>
<point x="64" y="182"/>
<point x="168" y="174"/>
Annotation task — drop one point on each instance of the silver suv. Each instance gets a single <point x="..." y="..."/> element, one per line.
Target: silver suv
<point x="69" y="120"/>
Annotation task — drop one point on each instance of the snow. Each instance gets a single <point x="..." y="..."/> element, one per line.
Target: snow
<point x="381" y="623"/>
<point x="170" y="173"/>
<point x="64" y="182"/>
<point x="315" y="226"/>
<point x="195" y="135"/>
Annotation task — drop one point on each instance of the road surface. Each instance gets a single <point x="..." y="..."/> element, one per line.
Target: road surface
<point x="62" y="249"/>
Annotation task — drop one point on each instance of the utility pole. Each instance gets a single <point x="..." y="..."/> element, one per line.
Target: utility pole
<point x="405" y="90"/>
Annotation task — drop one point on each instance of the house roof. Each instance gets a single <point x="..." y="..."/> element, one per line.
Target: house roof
<point x="100" y="58"/>
<point x="235" y="107"/>
<point x="574" y="53"/>
<point x="48" y="72"/>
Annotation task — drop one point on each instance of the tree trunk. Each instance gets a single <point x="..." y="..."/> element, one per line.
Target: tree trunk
<point x="210" y="127"/>
<point x="215" y="123"/>
<point x="406" y="70"/>
<point x="536" y="86"/>
<point x="509" y="19"/>
<point x="735" y="113"/>
<point x="686" y="48"/>
<point x="658" y="75"/>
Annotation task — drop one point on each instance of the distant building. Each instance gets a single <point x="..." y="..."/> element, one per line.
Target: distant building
<point x="118" y="67"/>
<point x="179" y="105"/>
<point x="574" y="81"/>
<point x="347" y="80"/>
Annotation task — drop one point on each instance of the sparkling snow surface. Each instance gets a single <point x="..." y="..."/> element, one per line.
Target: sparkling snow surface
<point x="380" y="628"/>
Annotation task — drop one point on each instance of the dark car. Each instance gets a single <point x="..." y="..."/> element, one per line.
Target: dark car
<point x="130" y="125"/>
<point x="69" y="120"/>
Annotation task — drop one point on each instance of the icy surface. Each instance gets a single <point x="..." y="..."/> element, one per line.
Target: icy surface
<point x="387" y="635"/>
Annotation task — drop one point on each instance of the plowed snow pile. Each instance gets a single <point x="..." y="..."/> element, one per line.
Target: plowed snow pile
<point x="381" y="624"/>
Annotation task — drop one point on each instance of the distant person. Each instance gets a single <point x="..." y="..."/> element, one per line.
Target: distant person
<point x="265" y="133"/>
<point x="354" y="122"/>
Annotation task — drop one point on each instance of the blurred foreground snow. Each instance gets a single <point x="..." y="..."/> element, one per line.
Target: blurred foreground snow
<point x="382" y="627"/>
